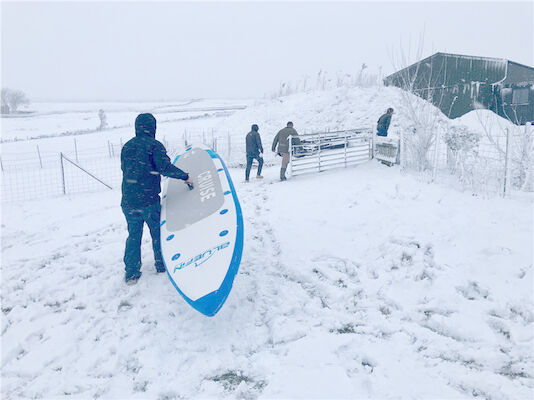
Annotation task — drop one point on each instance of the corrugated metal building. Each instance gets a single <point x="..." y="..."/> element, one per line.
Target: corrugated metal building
<point x="458" y="84"/>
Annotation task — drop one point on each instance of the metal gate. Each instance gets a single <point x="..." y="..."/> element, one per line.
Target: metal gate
<point x="386" y="150"/>
<point x="323" y="151"/>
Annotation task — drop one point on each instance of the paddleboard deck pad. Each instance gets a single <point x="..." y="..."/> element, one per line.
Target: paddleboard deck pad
<point x="201" y="230"/>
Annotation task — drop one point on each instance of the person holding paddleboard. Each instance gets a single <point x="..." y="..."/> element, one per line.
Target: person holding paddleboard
<point x="143" y="161"/>
<point x="282" y="140"/>
<point x="254" y="151"/>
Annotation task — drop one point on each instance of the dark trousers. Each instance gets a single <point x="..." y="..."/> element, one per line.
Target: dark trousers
<point x="250" y="158"/>
<point x="382" y="132"/>
<point x="135" y="219"/>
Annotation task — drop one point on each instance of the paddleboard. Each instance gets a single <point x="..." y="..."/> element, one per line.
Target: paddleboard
<point x="201" y="230"/>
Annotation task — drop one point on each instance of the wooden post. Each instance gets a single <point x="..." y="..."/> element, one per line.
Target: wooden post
<point x="76" y="150"/>
<point x="62" y="173"/>
<point x="373" y="142"/>
<point x="40" y="159"/>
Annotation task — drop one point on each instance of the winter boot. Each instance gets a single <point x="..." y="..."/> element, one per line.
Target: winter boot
<point x="132" y="279"/>
<point x="283" y="174"/>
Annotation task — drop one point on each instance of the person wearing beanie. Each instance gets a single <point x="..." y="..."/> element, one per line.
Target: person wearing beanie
<point x="254" y="150"/>
<point x="282" y="140"/>
<point x="143" y="161"/>
<point x="383" y="123"/>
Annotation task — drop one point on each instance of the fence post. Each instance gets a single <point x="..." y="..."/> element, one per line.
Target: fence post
<point x="506" y="161"/>
<point x="62" y="172"/>
<point x="372" y="144"/>
<point x="76" y="150"/>
<point x="1" y="164"/>
<point x="39" y="154"/>
<point x="109" y="149"/>
<point x="121" y="142"/>
<point x="397" y="160"/>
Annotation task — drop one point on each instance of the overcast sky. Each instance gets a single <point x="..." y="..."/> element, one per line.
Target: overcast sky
<point x="175" y="50"/>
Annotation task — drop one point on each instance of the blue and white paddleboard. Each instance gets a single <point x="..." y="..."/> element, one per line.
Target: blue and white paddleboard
<point x="202" y="230"/>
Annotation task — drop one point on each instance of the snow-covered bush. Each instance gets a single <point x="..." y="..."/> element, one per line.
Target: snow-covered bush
<point x="12" y="100"/>
<point x="521" y="153"/>
<point x="462" y="145"/>
<point x="427" y="124"/>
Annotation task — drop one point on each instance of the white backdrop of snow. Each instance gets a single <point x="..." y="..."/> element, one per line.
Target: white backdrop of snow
<point x="362" y="282"/>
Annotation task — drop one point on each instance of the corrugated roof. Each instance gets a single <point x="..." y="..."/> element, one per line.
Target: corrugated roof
<point x="493" y="59"/>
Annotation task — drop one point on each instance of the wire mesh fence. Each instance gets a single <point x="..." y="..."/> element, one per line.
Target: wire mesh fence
<point x="488" y="165"/>
<point x="481" y="164"/>
<point x="37" y="174"/>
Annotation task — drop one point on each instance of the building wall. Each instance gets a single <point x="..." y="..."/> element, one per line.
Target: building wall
<point x="518" y="113"/>
<point x="459" y="84"/>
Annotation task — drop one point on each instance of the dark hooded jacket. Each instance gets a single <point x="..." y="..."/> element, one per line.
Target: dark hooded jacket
<point x="143" y="161"/>
<point x="253" y="142"/>
<point x="384" y="121"/>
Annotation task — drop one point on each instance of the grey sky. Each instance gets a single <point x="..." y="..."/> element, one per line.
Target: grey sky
<point x="172" y="50"/>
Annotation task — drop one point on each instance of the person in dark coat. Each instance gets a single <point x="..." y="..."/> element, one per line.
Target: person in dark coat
<point x="254" y="151"/>
<point x="143" y="161"/>
<point x="282" y="140"/>
<point x="383" y="123"/>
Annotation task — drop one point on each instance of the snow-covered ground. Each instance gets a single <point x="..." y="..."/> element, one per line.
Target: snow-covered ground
<point x="49" y="120"/>
<point x="355" y="283"/>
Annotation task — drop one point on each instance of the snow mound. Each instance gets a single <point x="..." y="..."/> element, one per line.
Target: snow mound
<point x="476" y="120"/>
<point x="319" y="111"/>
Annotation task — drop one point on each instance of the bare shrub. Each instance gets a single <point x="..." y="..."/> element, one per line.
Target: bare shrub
<point x="12" y="100"/>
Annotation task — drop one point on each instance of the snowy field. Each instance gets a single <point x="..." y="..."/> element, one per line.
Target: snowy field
<point x="355" y="283"/>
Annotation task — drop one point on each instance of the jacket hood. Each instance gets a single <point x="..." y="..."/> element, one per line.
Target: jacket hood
<point x="145" y="125"/>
